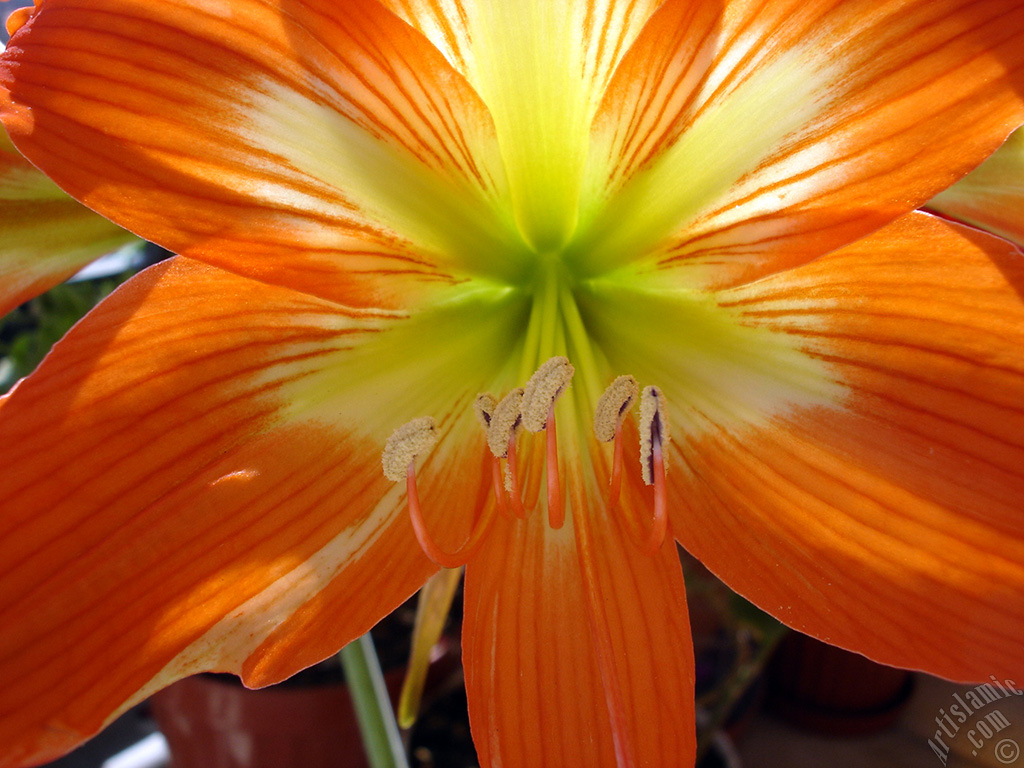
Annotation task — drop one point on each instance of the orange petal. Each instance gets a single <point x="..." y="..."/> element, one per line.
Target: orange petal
<point x="17" y="18"/>
<point x="193" y="482"/>
<point x="991" y="197"/>
<point x="47" y="236"/>
<point x="745" y="138"/>
<point x="568" y="631"/>
<point x="277" y="143"/>
<point x="889" y="521"/>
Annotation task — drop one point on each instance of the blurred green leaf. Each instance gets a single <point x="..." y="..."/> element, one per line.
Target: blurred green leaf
<point x="28" y="332"/>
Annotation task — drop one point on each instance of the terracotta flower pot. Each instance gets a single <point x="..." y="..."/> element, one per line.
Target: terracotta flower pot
<point x="212" y="721"/>
<point x="829" y="690"/>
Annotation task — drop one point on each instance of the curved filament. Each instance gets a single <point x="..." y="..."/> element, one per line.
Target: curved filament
<point x="515" y="495"/>
<point x="500" y="497"/>
<point x="649" y="541"/>
<point x="660" y="526"/>
<point x="615" y="486"/>
<point x="430" y="547"/>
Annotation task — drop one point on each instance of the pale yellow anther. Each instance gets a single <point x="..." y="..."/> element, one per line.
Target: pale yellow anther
<point x="543" y="389"/>
<point x="653" y="426"/>
<point x="504" y="420"/>
<point x="405" y="444"/>
<point x="613" y="405"/>
<point x="483" y="407"/>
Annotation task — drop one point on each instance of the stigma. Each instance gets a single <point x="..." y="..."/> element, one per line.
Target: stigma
<point x="531" y="409"/>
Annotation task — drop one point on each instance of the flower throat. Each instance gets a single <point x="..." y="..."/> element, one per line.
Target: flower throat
<point x="531" y="408"/>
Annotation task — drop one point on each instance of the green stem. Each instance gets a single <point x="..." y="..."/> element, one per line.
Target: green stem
<point x="381" y="739"/>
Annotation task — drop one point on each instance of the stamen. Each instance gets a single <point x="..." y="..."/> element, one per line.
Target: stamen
<point x="612" y="408"/>
<point x="556" y="503"/>
<point x="654" y="437"/>
<point x="652" y="426"/>
<point x="506" y="421"/>
<point x="405" y="444"/>
<point x="660" y="525"/>
<point x="484" y="406"/>
<point x="538" y="409"/>
<point x="500" y="495"/>
<point x="543" y="389"/>
<point x="402" y="448"/>
<point x="512" y="482"/>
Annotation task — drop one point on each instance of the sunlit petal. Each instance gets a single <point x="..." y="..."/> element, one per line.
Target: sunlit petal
<point x="991" y="197"/>
<point x="577" y="646"/>
<point x="287" y="140"/>
<point x="47" y="236"/>
<point x="747" y="137"/>
<point x="387" y="208"/>
<point x="193" y="482"/>
<point x="541" y="67"/>
<point x="888" y="521"/>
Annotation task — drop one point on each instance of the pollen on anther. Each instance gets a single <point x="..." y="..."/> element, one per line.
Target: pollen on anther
<point x="653" y="430"/>
<point x="483" y="407"/>
<point x="543" y="389"/>
<point x="505" y="419"/>
<point x="405" y="444"/>
<point x="613" y="405"/>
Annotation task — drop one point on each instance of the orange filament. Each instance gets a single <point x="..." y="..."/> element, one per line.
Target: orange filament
<point x="660" y="526"/>
<point x="556" y="504"/>
<point x="515" y="496"/>
<point x="430" y="547"/>
<point x="531" y="487"/>
<point x="650" y="541"/>
<point x="616" y="481"/>
<point x="499" y="488"/>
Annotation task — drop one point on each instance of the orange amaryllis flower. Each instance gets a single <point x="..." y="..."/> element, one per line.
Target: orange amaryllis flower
<point x="992" y="196"/>
<point x="46" y="236"/>
<point x="387" y="208"/>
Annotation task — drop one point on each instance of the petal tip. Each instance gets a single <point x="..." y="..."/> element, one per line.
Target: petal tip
<point x="17" y="19"/>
